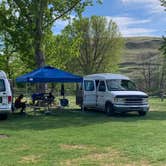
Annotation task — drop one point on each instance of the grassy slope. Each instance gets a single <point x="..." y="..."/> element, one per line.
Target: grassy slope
<point x="91" y="138"/>
<point x="139" y="49"/>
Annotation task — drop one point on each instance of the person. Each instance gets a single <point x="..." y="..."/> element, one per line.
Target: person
<point x="50" y="98"/>
<point x="36" y="97"/>
<point x="20" y="104"/>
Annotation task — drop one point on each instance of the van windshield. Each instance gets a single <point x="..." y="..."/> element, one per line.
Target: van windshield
<point x="2" y="85"/>
<point x="121" y="85"/>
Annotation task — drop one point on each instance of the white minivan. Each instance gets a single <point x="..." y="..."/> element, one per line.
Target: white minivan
<point x="112" y="93"/>
<point x="5" y="96"/>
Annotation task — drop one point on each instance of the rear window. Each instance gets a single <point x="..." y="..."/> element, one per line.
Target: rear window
<point x="2" y="85"/>
<point x="89" y="85"/>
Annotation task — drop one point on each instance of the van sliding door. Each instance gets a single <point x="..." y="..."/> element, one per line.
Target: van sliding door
<point x="101" y="93"/>
<point x="89" y="99"/>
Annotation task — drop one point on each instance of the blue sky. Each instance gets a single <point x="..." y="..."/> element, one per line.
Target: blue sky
<point x="134" y="17"/>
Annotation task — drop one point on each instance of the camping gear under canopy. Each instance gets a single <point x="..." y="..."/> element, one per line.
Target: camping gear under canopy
<point x="49" y="74"/>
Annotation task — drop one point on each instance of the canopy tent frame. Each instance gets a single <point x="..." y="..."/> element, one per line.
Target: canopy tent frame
<point x="48" y="74"/>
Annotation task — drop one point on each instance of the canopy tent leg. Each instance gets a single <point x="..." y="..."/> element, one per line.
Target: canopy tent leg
<point x="26" y="86"/>
<point x="63" y="90"/>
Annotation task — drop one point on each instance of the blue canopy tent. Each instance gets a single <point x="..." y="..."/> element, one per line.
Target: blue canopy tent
<point x="49" y="74"/>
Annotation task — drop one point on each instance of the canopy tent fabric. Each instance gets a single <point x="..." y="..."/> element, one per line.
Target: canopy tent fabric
<point x="49" y="74"/>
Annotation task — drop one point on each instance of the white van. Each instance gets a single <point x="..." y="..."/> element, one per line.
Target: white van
<point x="5" y="96"/>
<point x="112" y="93"/>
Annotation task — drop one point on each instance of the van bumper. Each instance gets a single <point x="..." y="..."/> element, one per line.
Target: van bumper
<point x="129" y="108"/>
<point x="5" y="111"/>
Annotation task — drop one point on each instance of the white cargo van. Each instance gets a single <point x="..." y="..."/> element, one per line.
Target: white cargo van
<point x="5" y="96"/>
<point x="112" y="93"/>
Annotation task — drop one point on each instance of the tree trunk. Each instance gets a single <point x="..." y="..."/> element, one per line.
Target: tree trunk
<point x="39" y="56"/>
<point x="39" y="35"/>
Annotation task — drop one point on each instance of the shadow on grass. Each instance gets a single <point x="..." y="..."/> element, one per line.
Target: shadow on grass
<point x="72" y="118"/>
<point x="59" y="119"/>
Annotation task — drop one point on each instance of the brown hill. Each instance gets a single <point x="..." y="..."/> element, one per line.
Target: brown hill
<point x="139" y="50"/>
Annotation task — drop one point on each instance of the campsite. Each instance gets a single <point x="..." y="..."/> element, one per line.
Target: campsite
<point x="82" y="83"/>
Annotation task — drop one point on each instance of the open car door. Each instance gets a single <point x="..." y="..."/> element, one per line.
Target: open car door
<point x="79" y="94"/>
<point x="89" y="93"/>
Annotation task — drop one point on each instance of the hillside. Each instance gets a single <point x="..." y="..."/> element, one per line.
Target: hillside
<point x="139" y="50"/>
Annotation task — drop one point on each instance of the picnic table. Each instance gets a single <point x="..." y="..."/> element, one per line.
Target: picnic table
<point x="41" y="100"/>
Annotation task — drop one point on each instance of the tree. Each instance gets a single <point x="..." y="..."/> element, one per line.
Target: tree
<point x="10" y="60"/>
<point x="15" y="35"/>
<point x="100" y="46"/>
<point x="28" y="21"/>
<point x="59" y="49"/>
<point x="163" y="50"/>
<point x="163" y="69"/>
<point x="163" y="3"/>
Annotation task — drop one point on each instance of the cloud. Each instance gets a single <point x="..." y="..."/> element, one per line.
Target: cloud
<point x="153" y="6"/>
<point x="60" y="24"/>
<point x="129" y="32"/>
<point x="125" y="21"/>
<point x="128" y="26"/>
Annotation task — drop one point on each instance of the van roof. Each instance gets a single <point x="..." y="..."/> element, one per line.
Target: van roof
<point x="106" y="76"/>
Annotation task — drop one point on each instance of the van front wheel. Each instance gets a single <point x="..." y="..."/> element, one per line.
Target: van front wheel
<point x="109" y="109"/>
<point x="142" y="113"/>
<point x="3" y="116"/>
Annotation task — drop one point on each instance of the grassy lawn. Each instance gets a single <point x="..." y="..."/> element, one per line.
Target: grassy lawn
<point x="72" y="137"/>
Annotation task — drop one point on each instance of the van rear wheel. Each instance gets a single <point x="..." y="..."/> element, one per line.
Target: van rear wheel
<point x="3" y="116"/>
<point x="86" y="109"/>
<point x="109" y="109"/>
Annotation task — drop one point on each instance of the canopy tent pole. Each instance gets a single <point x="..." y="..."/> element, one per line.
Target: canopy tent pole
<point x="26" y="86"/>
<point x="62" y="90"/>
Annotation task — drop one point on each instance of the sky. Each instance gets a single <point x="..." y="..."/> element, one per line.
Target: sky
<point x="134" y="17"/>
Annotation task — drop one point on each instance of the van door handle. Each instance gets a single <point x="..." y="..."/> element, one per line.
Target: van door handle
<point x="4" y="93"/>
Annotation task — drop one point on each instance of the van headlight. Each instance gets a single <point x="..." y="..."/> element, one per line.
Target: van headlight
<point x="145" y="100"/>
<point x="119" y="100"/>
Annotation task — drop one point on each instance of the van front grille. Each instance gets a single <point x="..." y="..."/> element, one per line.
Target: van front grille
<point x="132" y="101"/>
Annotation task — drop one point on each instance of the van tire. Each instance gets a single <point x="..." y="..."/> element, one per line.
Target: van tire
<point x="109" y="109"/>
<point x="3" y="116"/>
<point x="86" y="109"/>
<point x="142" y="113"/>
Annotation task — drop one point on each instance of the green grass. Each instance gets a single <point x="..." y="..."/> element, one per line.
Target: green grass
<point x="72" y="137"/>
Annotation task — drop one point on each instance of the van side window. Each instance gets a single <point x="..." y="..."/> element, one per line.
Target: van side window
<point x="97" y="83"/>
<point x="2" y="85"/>
<point x="89" y="85"/>
<point x="102" y="87"/>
